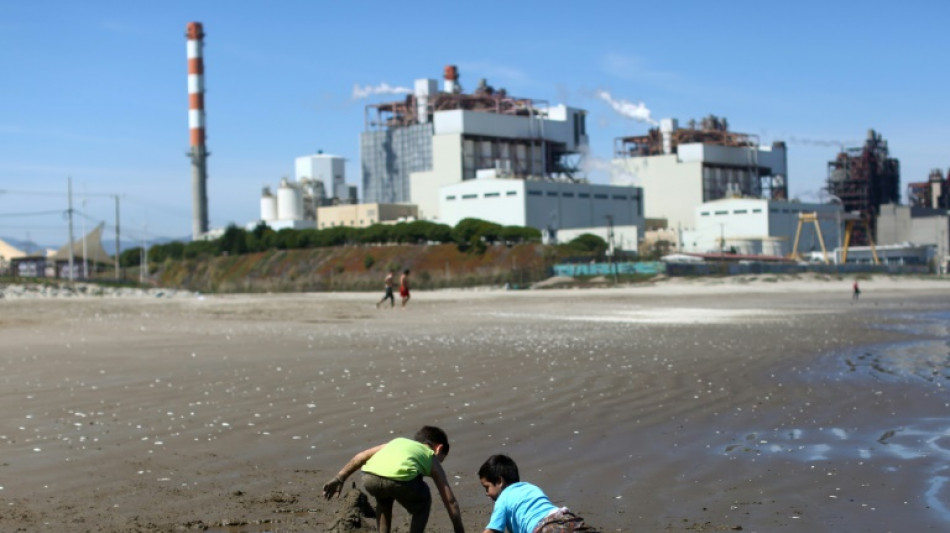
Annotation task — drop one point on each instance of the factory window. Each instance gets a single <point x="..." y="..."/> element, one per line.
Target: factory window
<point x="619" y="197"/>
<point x="469" y="196"/>
<point x="511" y="193"/>
<point x="704" y="214"/>
<point x="756" y="210"/>
<point x="569" y="195"/>
<point x="600" y="196"/>
<point x="492" y="194"/>
<point x="534" y="193"/>
<point x="583" y="195"/>
<point x="774" y="210"/>
<point x="450" y="197"/>
<point x="740" y="212"/>
<point x="552" y="193"/>
<point x="722" y="212"/>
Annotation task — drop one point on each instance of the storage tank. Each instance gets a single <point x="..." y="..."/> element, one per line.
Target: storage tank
<point x="268" y="205"/>
<point x="289" y="201"/>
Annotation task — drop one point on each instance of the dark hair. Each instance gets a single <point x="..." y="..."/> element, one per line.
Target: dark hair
<point x="405" y="271"/>
<point x="499" y="468"/>
<point x="432" y="436"/>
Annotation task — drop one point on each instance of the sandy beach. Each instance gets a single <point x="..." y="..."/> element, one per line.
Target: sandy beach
<point x="686" y="405"/>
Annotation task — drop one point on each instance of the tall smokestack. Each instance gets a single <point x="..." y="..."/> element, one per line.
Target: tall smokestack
<point x="451" y="75"/>
<point x="196" y="123"/>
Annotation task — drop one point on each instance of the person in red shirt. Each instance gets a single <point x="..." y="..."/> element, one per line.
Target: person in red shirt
<point x="404" y="287"/>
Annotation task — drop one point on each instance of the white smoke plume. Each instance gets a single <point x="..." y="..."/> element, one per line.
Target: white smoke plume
<point x="382" y="88"/>
<point x="636" y="111"/>
<point x="615" y="174"/>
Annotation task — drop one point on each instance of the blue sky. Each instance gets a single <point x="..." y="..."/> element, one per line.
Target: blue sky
<point x="96" y="91"/>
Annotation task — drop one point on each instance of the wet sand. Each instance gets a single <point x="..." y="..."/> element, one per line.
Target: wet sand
<point x="703" y="405"/>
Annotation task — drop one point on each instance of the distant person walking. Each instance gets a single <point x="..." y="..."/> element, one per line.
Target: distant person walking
<point x="404" y="287"/>
<point x="389" y="282"/>
<point x="856" y="293"/>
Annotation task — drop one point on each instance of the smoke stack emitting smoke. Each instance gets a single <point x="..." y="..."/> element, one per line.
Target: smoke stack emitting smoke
<point x="382" y="88"/>
<point x="636" y="111"/>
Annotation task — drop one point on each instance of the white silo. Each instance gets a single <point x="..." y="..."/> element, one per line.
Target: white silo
<point x="268" y="205"/>
<point x="289" y="201"/>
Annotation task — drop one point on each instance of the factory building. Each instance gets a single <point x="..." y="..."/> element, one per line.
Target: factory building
<point x="364" y="215"/>
<point x="411" y="148"/>
<point x="933" y="193"/>
<point x="898" y="224"/>
<point x="285" y="210"/>
<point x="546" y="205"/>
<point x="681" y="168"/>
<point x="757" y="226"/>
<point x="865" y="178"/>
<point x="323" y="178"/>
<point x="320" y="181"/>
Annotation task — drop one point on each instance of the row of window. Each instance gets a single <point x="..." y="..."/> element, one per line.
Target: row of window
<point x="598" y="196"/>
<point x="734" y="212"/>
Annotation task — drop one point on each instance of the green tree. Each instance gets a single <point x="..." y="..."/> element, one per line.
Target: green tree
<point x="131" y="257"/>
<point x="588" y="243"/>
<point x="195" y="249"/>
<point x="519" y="234"/>
<point x="233" y="242"/>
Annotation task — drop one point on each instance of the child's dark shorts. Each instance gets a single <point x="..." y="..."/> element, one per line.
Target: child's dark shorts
<point x="563" y="521"/>
<point x="413" y="495"/>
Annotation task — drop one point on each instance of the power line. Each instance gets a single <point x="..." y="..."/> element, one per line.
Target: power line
<point x="34" y="213"/>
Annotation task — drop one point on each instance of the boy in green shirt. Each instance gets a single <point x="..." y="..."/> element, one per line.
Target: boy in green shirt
<point x="394" y="472"/>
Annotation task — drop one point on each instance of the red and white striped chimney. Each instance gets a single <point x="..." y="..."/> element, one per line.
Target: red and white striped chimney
<point x="196" y="125"/>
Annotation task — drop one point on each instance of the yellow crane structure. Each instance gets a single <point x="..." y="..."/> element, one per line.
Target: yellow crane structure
<point x="850" y="220"/>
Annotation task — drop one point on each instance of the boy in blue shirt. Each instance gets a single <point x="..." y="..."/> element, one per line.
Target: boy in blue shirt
<point x="522" y="507"/>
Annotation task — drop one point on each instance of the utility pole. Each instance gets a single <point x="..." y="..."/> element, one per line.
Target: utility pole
<point x="722" y="239"/>
<point x="69" y="194"/>
<point x="610" y="247"/>
<point x="85" y="252"/>
<point x="116" y="198"/>
<point x="143" y="257"/>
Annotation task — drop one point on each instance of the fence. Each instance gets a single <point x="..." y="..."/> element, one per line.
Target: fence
<point x="727" y="269"/>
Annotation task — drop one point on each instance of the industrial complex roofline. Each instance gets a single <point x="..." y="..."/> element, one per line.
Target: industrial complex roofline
<point x="666" y="138"/>
<point x="419" y="106"/>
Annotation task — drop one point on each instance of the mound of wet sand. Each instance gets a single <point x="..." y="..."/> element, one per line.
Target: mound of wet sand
<point x="689" y="406"/>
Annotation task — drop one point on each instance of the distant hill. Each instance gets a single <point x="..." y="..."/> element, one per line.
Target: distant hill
<point x="29" y="246"/>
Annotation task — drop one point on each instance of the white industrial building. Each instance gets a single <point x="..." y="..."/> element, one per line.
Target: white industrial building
<point x="546" y="205"/>
<point x="681" y="168"/>
<point x="284" y="210"/>
<point x="320" y="181"/>
<point x="920" y="225"/>
<point x="323" y="177"/>
<point x="756" y="226"/>
<point x="412" y="148"/>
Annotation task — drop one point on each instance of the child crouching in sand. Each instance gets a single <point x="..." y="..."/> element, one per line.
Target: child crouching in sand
<point x="522" y="507"/>
<point x="394" y="471"/>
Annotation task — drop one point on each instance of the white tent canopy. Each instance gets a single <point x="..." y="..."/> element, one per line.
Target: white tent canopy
<point x="93" y="248"/>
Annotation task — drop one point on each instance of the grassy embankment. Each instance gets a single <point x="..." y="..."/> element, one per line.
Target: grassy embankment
<point x="357" y="268"/>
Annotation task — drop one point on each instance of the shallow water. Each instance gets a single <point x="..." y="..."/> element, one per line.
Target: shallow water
<point x="916" y="448"/>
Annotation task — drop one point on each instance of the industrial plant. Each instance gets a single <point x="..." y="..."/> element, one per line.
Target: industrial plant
<point x="700" y="189"/>
<point x="863" y="179"/>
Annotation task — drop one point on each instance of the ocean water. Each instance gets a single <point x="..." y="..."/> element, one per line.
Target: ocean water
<point x="882" y="410"/>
